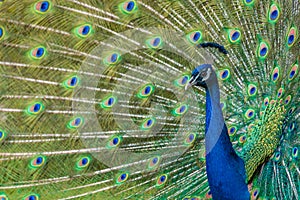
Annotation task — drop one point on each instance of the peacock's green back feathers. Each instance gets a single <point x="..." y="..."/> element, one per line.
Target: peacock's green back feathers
<point x="93" y="104"/>
<point x="263" y="138"/>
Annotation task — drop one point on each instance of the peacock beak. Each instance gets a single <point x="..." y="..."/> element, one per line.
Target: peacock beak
<point x="191" y="82"/>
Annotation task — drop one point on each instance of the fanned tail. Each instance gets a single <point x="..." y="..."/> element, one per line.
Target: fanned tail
<point x="93" y="104"/>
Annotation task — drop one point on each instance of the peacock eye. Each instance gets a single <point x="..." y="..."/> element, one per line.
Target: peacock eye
<point x="203" y="74"/>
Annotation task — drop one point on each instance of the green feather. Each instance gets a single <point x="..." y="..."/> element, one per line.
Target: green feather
<point x="93" y="102"/>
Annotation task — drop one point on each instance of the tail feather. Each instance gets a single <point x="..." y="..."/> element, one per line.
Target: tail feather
<point x="93" y="104"/>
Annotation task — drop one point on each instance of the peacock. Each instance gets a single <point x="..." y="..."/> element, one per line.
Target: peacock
<point x="149" y="99"/>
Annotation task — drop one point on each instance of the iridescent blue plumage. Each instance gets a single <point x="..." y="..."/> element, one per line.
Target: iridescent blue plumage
<point x="225" y="169"/>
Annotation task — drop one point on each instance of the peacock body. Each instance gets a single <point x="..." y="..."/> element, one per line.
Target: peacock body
<point x="95" y="102"/>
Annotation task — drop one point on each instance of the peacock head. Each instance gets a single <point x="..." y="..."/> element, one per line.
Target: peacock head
<point x="201" y="76"/>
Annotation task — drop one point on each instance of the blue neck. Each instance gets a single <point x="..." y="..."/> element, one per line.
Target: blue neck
<point x="225" y="170"/>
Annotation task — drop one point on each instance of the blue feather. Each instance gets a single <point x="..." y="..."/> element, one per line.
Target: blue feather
<point x="225" y="169"/>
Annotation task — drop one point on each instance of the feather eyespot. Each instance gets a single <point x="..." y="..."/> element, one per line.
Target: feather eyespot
<point x="275" y="74"/>
<point x="262" y="50"/>
<point x="75" y="123"/>
<point x="71" y="82"/>
<point x="250" y="127"/>
<point x="295" y="152"/>
<point x="148" y="123"/>
<point x="121" y="178"/>
<point x="42" y="7"/>
<point x="292" y="110"/>
<point x="224" y="74"/>
<point x="291" y="127"/>
<point x="234" y="35"/>
<point x="128" y="7"/>
<point x="294" y="71"/>
<point x="292" y="36"/>
<point x="194" y="37"/>
<point x="261" y="113"/>
<point x="280" y="92"/>
<point x="232" y="130"/>
<point x="108" y="102"/>
<point x="154" y="162"/>
<point x="277" y="156"/>
<point x="114" y="142"/>
<point x="83" y="162"/>
<point x="249" y="3"/>
<point x="287" y="99"/>
<point x="146" y="91"/>
<point x="190" y="139"/>
<point x="180" y="110"/>
<point x="154" y="43"/>
<point x="250" y="113"/>
<point x="83" y="31"/>
<point x="182" y="81"/>
<point x="242" y="139"/>
<point x="3" y="195"/>
<point x="255" y="193"/>
<point x="274" y="13"/>
<point x="37" y="162"/>
<point x="266" y="101"/>
<point x="161" y="180"/>
<point x="38" y="53"/>
<point x="35" y="108"/>
<point x="2" y="33"/>
<point x="2" y="135"/>
<point x="32" y="197"/>
<point x="252" y="90"/>
<point x="112" y="59"/>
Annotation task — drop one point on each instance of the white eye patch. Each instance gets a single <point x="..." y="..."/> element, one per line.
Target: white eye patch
<point x="207" y="75"/>
<point x="194" y="79"/>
